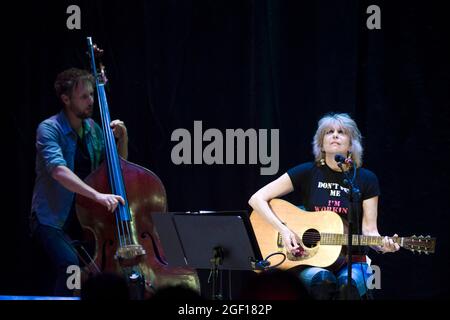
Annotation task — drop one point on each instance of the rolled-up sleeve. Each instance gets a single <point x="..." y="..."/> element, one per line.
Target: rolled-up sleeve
<point x="48" y="147"/>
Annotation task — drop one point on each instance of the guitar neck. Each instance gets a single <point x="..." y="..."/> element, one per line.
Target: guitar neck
<point x="342" y="239"/>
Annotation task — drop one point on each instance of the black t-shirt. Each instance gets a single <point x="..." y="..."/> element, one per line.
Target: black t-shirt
<point x="320" y="188"/>
<point x="82" y="162"/>
<point x="82" y="168"/>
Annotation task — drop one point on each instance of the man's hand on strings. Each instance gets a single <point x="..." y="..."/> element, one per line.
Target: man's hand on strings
<point x="119" y="130"/>
<point x="110" y="201"/>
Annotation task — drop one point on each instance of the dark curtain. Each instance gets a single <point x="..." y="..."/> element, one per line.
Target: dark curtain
<point x="260" y="64"/>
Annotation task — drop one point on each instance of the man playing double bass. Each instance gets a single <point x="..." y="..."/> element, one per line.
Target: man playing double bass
<point x="69" y="146"/>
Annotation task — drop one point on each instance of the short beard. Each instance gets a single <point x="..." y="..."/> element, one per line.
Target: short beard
<point x="82" y="115"/>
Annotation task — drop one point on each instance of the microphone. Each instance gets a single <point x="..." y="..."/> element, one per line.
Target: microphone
<point x="340" y="159"/>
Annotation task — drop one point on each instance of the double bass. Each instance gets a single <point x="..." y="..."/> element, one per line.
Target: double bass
<point x="126" y="242"/>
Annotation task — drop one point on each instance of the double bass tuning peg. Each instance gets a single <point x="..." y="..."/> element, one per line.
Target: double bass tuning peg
<point x="97" y="51"/>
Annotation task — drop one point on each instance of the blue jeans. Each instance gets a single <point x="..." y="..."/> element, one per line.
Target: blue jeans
<point x="57" y="245"/>
<point x="313" y="276"/>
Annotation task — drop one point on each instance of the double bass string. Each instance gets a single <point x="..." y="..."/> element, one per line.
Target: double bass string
<point x="112" y="159"/>
<point x="115" y="176"/>
<point x="117" y="179"/>
<point x="109" y="158"/>
<point x="105" y="125"/>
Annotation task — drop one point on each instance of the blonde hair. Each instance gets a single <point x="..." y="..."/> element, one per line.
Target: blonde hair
<point x="348" y="125"/>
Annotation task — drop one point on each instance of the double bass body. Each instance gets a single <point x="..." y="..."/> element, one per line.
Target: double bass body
<point x="145" y="194"/>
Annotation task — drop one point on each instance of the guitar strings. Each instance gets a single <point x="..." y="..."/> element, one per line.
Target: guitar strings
<point x="315" y="237"/>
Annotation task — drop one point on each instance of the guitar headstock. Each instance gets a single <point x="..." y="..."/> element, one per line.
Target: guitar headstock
<point x="420" y="244"/>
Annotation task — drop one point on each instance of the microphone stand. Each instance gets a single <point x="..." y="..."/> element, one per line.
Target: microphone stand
<point x="216" y="261"/>
<point x="354" y="198"/>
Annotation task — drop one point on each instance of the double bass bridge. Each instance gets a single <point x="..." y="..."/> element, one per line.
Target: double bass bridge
<point x="130" y="251"/>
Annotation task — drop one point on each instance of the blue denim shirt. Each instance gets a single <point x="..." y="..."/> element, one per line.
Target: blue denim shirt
<point x="56" y="143"/>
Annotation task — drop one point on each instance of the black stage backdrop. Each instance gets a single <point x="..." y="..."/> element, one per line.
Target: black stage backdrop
<point x="260" y="64"/>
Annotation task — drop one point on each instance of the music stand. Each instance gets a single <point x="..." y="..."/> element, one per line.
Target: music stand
<point x="214" y="240"/>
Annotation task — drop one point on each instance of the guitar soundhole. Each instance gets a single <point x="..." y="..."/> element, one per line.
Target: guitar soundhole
<point x="310" y="238"/>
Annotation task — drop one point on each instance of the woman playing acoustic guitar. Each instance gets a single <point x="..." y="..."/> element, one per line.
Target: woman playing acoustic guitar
<point x="322" y="186"/>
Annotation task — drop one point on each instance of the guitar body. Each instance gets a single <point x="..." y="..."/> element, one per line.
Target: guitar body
<point x="322" y="237"/>
<point x="300" y="222"/>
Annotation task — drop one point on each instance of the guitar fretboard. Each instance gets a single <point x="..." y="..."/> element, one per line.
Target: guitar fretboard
<point x="342" y="239"/>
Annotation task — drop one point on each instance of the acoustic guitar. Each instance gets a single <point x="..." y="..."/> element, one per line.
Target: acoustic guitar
<point x="322" y="237"/>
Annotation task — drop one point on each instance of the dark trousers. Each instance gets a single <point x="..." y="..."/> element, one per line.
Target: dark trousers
<point x="57" y="245"/>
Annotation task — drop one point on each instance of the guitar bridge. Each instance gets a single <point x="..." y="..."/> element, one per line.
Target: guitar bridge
<point x="298" y="254"/>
